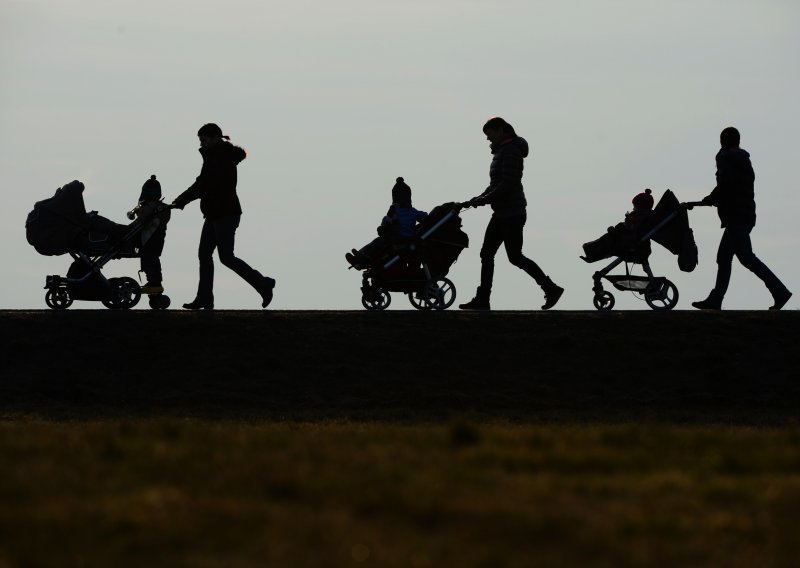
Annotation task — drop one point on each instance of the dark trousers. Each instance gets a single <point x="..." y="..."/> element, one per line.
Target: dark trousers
<point x="220" y="234"/>
<point x="507" y="231"/>
<point x="736" y="242"/>
<point x="150" y="255"/>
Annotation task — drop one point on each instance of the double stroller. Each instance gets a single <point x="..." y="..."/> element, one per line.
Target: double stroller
<point x="668" y="225"/>
<point x="418" y="267"/>
<point x="60" y="225"/>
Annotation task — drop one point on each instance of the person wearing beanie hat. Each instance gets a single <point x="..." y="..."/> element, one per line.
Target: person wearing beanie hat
<point x="153" y="234"/>
<point x="734" y="198"/>
<point x="396" y="226"/>
<point x="506" y="197"/>
<point x="642" y="208"/>
<point x="215" y="187"/>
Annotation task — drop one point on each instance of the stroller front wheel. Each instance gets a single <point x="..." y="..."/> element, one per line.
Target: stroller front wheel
<point x="603" y="301"/>
<point x="58" y="299"/>
<point x="376" y="299"/>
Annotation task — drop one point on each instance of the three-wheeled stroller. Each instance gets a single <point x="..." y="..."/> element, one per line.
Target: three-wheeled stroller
<point x="60" y="225"/>
<point x="668" y="225"/>
<point x="419" y="266"/>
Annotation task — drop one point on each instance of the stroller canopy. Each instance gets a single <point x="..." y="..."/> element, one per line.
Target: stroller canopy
<point x="59" y="225"/>
<point x="675" y="235"/>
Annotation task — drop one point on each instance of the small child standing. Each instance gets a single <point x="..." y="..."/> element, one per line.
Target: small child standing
<point x="642" y="209"/>
<point x="397" y="225"/>
<point x="155" y="216"/>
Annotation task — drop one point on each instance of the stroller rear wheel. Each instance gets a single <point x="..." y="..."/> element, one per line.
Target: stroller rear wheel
<point x="603" y="301"/>
<point x="418" y="300"/>
<point x="58" y="299"/>
<point x="125" y="293"/>
<point x="376" y="299"/>
<point x="440" y="293"/>
<point x="661" y="294"/>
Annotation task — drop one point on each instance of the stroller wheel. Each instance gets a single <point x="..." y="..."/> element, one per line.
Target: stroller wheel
<point x="418" y="300"/>
<point x="603" y="301"/>
<point x="125" y="293"/>
<point x="159" y="301"/>
<point x="661" y="294"/>
<point x="440" y="294"/>
<point x="376" y="299"/>
<point x="58" y="299"/>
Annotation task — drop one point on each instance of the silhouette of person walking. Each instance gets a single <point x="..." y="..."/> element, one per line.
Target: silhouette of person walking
<point x="734" y="199"/>
<point x="219" y="203"/>
<point x="507" y="199"/>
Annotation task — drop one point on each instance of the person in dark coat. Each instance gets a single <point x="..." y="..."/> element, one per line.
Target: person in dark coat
<point x="734" y="199"/>
<point x="506" y="197"/>
<point x="215" y="187"/>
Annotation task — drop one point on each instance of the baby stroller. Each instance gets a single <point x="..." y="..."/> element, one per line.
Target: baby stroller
<point x="60" y="225"/>
<point x="668" y="225"/>
<point x="418" y="267"/>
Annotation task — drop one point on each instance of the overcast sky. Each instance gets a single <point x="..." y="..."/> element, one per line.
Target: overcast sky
<point x="334" y="100"/>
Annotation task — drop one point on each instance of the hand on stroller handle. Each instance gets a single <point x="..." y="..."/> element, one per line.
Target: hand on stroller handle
<point x="689" y="205"/>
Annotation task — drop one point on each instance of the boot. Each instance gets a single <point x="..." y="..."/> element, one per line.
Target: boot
<point x="552" y="293"/>
<point x="713" y="302"/>
<point x="198" y="305"/>
<point x="479" y="302"/>
<point x="266" y="291"/>
<point x="780" y="300"/>
<point x="152" y="287"/>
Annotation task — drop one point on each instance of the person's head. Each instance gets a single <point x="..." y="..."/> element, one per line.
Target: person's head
<point x="643" y="201"/>
<point x="497" y="129"/>
<point x="210" y="135"/>
<point x="151" y="190"/>
<point x="401" y="193"/>
<point x="729" y="138"/>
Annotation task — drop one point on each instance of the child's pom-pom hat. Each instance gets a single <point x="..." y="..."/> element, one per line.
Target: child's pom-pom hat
<point x="151" y="190"/>
<point x="643" y="200"/>
<point x="401" y="193"/>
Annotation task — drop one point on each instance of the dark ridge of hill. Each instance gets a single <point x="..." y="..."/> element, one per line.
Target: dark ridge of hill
<point x="682" y="367"/>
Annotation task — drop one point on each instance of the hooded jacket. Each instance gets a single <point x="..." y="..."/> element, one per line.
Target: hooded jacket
<point x="505" y="193"/>
<point x="734" y="195"/>
<point x="216" y="184"/>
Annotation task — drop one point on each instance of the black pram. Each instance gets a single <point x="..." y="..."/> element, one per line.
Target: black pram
<point x="60" y="225"/>
<point x="668" y="225"/>
<point x="418" y="267"/>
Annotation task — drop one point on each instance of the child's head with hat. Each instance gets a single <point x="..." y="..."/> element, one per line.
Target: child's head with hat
<point x="643" y="201"/>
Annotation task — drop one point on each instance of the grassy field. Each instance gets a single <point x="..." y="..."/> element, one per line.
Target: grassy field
<point x="182" y="492"/>
<point x="399" y="439"/>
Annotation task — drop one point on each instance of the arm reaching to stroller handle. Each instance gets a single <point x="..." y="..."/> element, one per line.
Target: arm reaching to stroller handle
<point x="689" y="205"/>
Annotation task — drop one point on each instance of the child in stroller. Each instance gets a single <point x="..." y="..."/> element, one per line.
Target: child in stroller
<point x="60" y="225"/>
<point x="396" y="228"/>
<point x="410" y="258"/>
<point x="629" y="241"/>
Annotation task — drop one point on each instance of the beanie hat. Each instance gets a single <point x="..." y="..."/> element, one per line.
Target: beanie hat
<point x="643" y="200"/>
<point x="401" y="193"/>
<point x="151" y="190"/>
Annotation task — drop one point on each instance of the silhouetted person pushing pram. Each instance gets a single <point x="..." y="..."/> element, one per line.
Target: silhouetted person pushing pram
<point x="734" y="199"/>
<point x="507" y="199"/>
<point x="216" y="189"/>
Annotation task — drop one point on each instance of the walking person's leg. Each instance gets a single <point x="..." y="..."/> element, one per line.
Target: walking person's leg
<point x="225" y="229"/>
<point x="512" y="237"/>
<point x="204" y="300"/>
<point x="492" y="240"/>
<point x="743" y="249"/>
<point x="725" y="254"/>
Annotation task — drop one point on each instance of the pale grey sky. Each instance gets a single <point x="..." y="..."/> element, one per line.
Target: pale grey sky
<point x="334" y="100"/>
